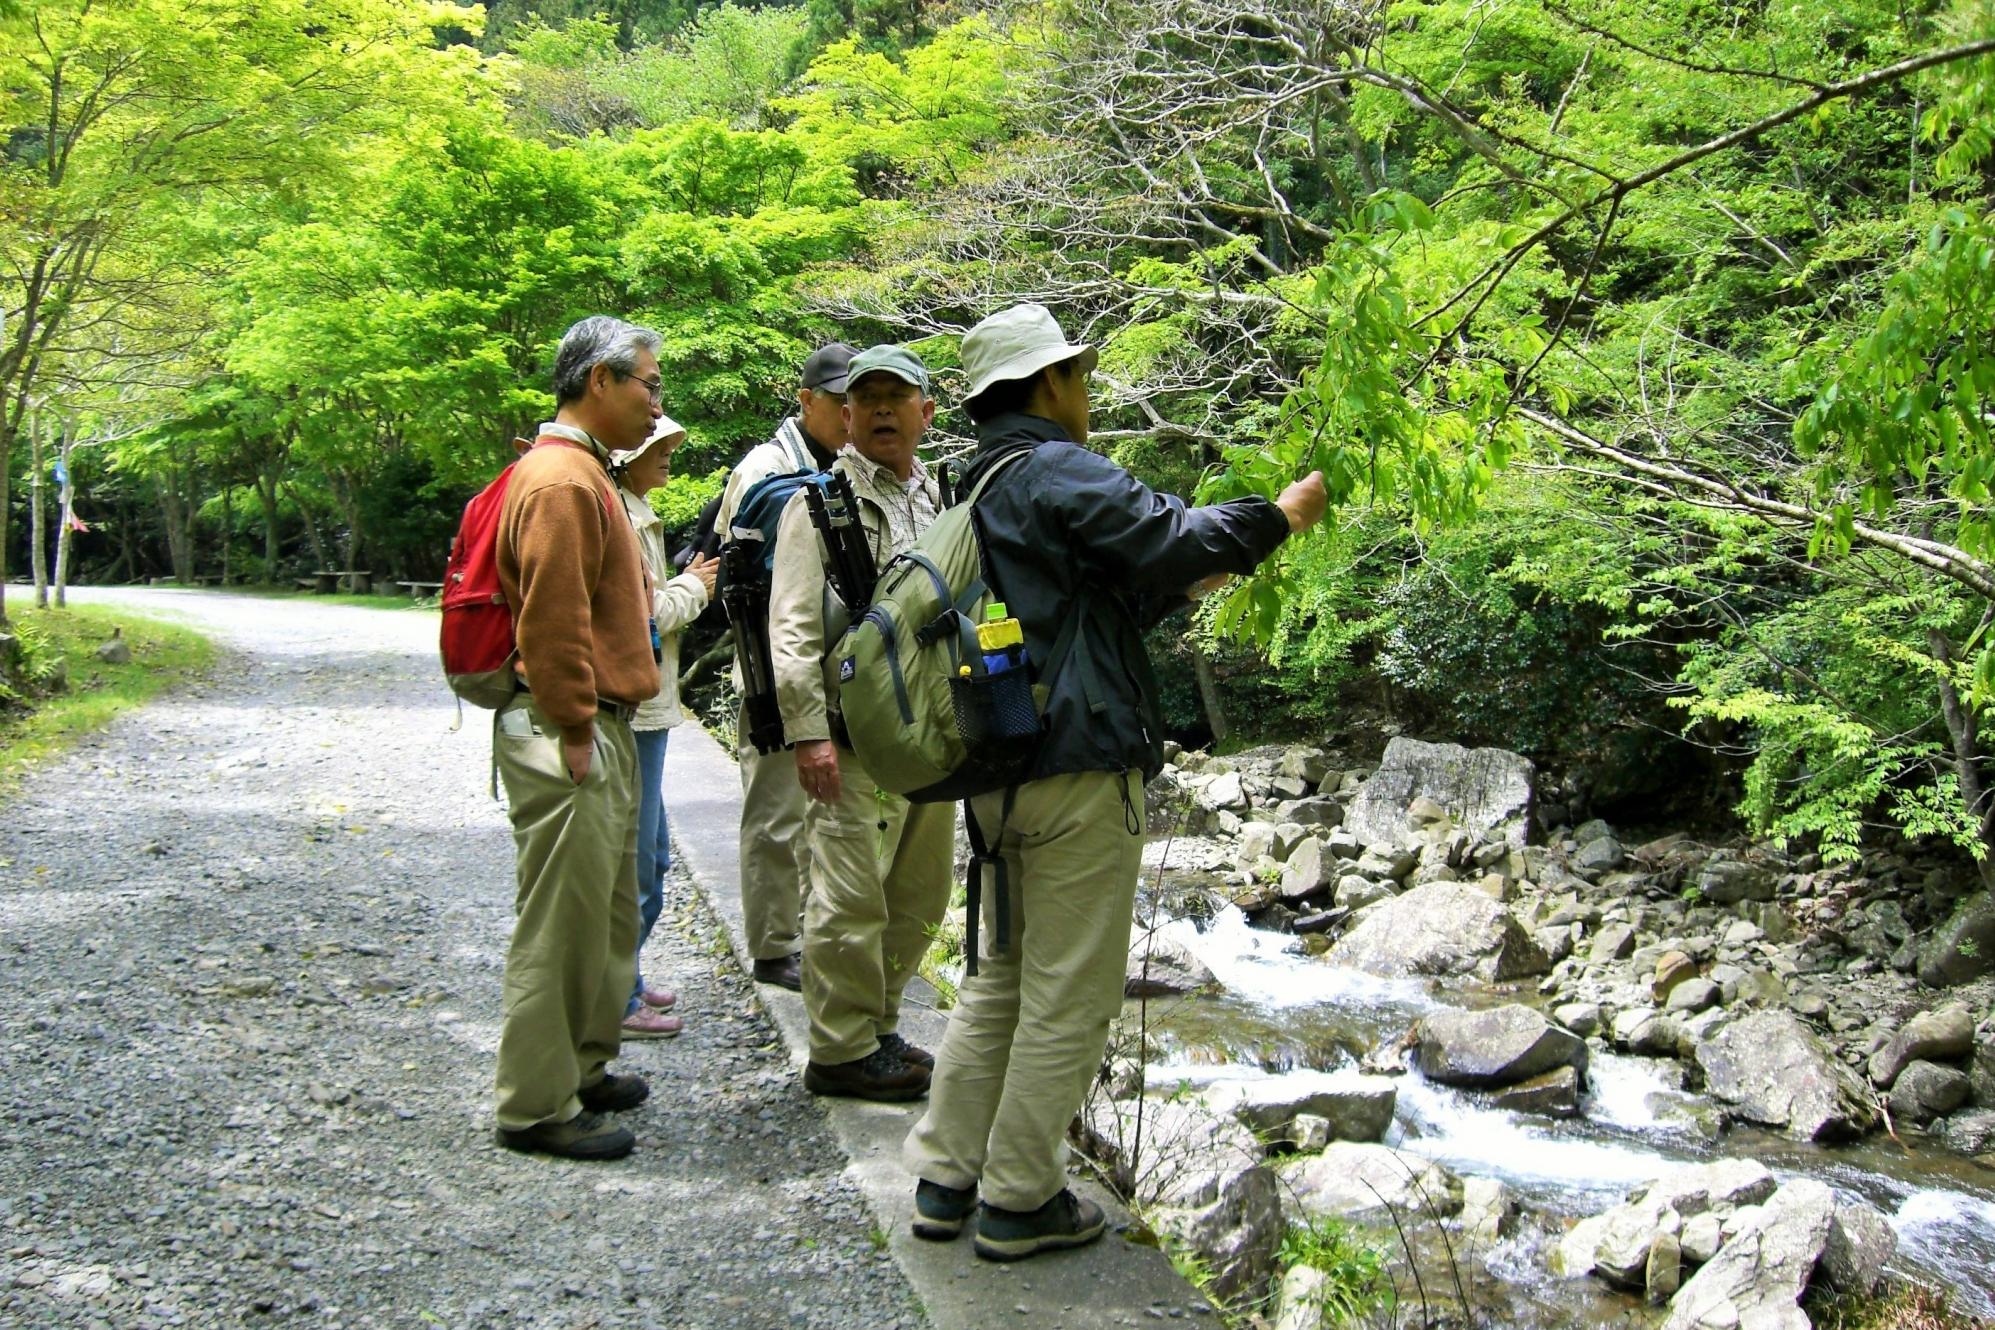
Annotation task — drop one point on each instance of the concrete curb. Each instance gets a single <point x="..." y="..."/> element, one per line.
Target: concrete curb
<point x="1113" y="1283"/>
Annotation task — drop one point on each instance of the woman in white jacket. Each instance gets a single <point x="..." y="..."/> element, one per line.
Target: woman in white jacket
<point x="675" y="602"/>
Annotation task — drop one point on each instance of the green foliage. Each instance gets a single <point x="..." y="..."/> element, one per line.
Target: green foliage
<point x="679" y="500"/>
<point x="1353" y="1263"/>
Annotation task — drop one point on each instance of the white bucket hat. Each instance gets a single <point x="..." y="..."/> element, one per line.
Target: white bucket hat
<point x="664" y="429"/>
<point x="1017" y="343"/>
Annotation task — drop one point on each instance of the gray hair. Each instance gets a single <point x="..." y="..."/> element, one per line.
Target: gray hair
<point x="598" y="340"/>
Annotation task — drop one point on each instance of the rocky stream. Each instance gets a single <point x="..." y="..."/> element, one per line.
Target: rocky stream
<point x="1573" y="1080"/>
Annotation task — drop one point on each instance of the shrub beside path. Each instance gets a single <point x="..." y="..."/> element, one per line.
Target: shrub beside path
<point x="251" y="939"/>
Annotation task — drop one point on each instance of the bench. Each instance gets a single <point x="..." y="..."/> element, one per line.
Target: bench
<point x="325" y="581"/>
<point x="417" y="590"/>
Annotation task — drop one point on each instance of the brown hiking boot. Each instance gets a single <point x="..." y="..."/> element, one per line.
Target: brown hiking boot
<point x="782" y="971"/>
<point x="907" y="1052"/>
<point x="880" y="1075"/>
<point x="585" y="1136"/>
<point x="614" y="1094"/>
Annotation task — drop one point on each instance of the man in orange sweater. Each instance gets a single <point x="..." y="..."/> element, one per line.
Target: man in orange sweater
<point x="573" y="578"/>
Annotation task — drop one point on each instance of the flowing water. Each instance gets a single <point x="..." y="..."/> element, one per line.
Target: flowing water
<point x="1297" y="1019"/>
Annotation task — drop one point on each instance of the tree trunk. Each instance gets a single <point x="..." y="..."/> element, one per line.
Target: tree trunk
<point x="319" y="559"/>
<point x="266" y="498"/>
<point x="179" y="517"/>
<point x="37" y="518"/>
<point x="67" y="504"/>
<point x="228" y="528"/>
<point x="1208" y="694"/>
<point x="1961" y="729"/>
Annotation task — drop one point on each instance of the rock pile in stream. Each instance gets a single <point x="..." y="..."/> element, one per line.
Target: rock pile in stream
<point x="1821" y="1001"/>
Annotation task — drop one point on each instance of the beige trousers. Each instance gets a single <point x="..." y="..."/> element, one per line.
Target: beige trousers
<point x="1028" y="1031"/>
<point x="774" y="856"/>
<point x="574" y="947"/>
<point x="880" y="873"/>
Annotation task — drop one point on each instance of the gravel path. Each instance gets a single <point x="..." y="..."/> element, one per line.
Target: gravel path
<point x="251" y="940"/>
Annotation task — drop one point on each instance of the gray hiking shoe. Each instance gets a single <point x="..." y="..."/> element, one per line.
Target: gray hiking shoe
<point x="939" y="1211"/>
<point x="1013" y="1235"/>
<point x="585" y="1136"/>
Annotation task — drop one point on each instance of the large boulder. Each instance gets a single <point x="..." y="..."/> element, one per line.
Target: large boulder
<point x="1500" y="1046"/>
<point x="1963" y="948"/>
<point x="1443" y="929"/>
<point x="1773" y="1070"/>
<point x="1486" y="791"/>
<point x="1236" y="1232"/>
<point x="1927" y="1090"/>
<point x="1370" y="1184"/>
<point x="1757" y="1278"/>
<point x="1931" y="1036"/>
<point x="1161" y="967"/>
<point x="1354" y="1107"/>
<point x="1619" y="1245"/>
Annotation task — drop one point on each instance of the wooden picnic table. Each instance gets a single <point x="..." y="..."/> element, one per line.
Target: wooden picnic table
<point x="417" y="590"/>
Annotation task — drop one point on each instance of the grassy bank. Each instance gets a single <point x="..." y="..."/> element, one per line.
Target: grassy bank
<point x="36" y="728"/>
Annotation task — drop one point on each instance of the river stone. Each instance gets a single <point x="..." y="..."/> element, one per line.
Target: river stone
<point x="1160" y="967"/>
<point x="1701" y="1237"/>
<point x="1756" y="1280"/>
<point x="1555" y="1094"/>
<point x="1443" y="930"/>
<point x="1663" y="1275"/>
<point x="1343" y="846"/>
<point x="1927" y="1090"/>
<point x="1355" y="892"/>
<point x="1963" y="948"/>
<point x="1370" y="1184"/>
<point x="1724" y="1184"/>
<point x="1645" y="1032"/>
<point x="1970" y="1133"/>
<point x="1729" y="881"/>
<point x="1672" y="968"/>
<point x="1237" y="1233"/>
<point x="1395" y="862"/>
<point x="1600" y="856"/>
<point x="1360" y="1109"/>
<point x="1614" y="942"/>
<point x="1308" y="871"/>
<point x="1257" y="841"/>
<point x="1489" y="1211"/>
<point x="1224" y="792"/>
<point x="1861" y="1241"/>
<point x="1300" y="1303"/>
<point x="1312" y="812"/>
<point x="117" y="651"/>
<point x="1692" y="995"/>
<point x="1931" y="1036"/>
<point x="1499" y="1046"/>
<point x="1487" y="791"/>
<point x="1777" y="1072"/>
<point x="1582" y="1018"/>
<point x="1304" y="763"/>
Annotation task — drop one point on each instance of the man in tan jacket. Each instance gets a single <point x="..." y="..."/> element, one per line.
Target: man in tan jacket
<point x="581" y="606"/>
<point x="772" y="808"/>
<point x="880" y="867"/>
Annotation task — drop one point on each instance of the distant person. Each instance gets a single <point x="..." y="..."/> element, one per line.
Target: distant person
<point x="1065" y="533"/>
<point x="880" y="867"/>
<point x="572" y="576"/>
<point x="675" y="602"/>
<point x="773" y="852"/>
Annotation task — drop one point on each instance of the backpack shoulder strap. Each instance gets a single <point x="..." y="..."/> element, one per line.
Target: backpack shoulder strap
<point x="790" y="435"/>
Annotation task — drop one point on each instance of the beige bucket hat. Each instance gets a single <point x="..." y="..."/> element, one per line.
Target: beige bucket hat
<point x="1017" y="343"/>
<point x="663" y="430"/>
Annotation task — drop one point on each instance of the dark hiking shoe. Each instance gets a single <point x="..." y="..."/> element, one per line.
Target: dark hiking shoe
<point x="614" y="1094"/>
<point x="1013" y="1235"/>
<point x="879" y="1075"/>
<point x="584" y="1136"/>
<point x="783" y="972"/>
<point x="907" y="1052"/>
<point x="939" y="1211"/>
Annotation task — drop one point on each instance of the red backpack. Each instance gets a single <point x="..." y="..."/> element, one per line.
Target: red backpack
<point x="477" y="639"/>
<point x="478" y="646"/>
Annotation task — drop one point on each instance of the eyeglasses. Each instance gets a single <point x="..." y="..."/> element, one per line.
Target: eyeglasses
<point x="656" y="387"/>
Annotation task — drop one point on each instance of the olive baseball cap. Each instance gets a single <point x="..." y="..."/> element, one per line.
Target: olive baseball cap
<point x="1017" y="343"/>
<point x="887" y="358"/>
<point x="824" y="368"/>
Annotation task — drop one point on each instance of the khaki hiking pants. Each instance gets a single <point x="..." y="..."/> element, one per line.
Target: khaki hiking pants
<point x="1028" y="1031"/>
<point x="774" y="856"/>
<point x="574" y="949"/>
<point x="880" y="873"/>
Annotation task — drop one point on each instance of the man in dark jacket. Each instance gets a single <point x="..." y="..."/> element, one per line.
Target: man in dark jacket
<point x="1066" y="533"/>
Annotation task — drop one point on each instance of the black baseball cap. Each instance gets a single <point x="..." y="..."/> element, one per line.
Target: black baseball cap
<point x="824" y="368"/>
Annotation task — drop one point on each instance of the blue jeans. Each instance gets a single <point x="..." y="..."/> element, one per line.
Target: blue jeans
<point x="654" y="843"/>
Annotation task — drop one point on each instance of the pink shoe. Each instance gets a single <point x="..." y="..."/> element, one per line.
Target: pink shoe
<point x="645" y="1023"/>
<point x="658" y="999"/>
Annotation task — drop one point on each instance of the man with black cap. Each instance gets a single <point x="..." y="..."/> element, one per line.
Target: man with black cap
<point x="880" y="867"/>
<point x="1066" y="534"/>
<point x="773" y="851"/>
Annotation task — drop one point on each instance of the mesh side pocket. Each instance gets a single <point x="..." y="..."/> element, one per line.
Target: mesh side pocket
<point x="995" y="715"/>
